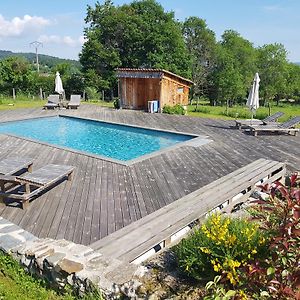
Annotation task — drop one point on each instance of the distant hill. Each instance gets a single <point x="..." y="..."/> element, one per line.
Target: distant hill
<point x="297" y="63"/>
<point x="44" y="60"/>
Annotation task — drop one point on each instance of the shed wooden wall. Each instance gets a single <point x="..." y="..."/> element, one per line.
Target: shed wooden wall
<point x="171" y="92"/>
<point x="136" y="92"/>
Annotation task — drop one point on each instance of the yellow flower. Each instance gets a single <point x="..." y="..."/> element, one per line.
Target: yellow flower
<point x="205" y="250"/>
<point x="231" y="278"/>
<point x="242" y="295"/>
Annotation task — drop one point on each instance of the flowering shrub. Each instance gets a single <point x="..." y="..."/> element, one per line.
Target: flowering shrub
<point x="279" y="214"/>
<point x="220" y="246"/>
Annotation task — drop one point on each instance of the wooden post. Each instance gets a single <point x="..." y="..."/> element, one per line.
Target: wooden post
<point x="226" y="107"/>
<point x="25" y="203"/>
<point x="14" y="93"/>
<point x="41" y="93"/>
<point x="27" y="188"/>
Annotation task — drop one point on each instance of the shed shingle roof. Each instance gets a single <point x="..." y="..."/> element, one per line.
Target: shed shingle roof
<point x="159" y="73"/>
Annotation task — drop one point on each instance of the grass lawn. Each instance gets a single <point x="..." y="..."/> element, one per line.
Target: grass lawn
<point x="10" y="103"/>
<point x="204" y="110"/>
<point x="100" y="103"/>
<point x="242" y="112"/>
<point x="15" y="283"/>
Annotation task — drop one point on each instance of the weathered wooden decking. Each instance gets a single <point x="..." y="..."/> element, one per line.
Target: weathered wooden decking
<point x="104" y="196"/>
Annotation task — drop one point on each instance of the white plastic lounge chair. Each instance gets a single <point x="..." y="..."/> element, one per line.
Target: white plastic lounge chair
<point x="288" y="127"/>
<point x="254" y="122"/>
<point x="53" y="102"/>
<point x="74" y="101"/>
<point x="26" y="186"/>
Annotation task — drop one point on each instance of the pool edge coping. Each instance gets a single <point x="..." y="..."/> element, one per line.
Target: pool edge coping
<point x="197" y="141"/>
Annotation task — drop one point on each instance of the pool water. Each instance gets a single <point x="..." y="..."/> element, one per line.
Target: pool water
<point x="111" y="140"/>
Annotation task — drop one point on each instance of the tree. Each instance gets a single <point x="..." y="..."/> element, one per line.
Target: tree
<point x="273" y="65"/>
<point x="227" y="79"/>
<point x="236" y="64"/>
<point x="15" y="72"/>
<point x="293" y="81"/>
<point x="201" y="45"/>
<point x="140" y="34"/>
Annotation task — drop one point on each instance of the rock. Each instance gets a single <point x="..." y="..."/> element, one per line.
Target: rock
<point x="69" y="266"/>
<point x="46" y="253"/>
<point x="171" y="282"/>
<point x="8" y="242"/>
<point x="153" y="297"/>
<point x="54" y="258"/>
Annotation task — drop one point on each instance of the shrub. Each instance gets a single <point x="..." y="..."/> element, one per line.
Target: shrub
<point x="279" y="214"/>
<point x="202" y="109"/>
<point x="92" y="93"/>
<point x="174" y="110"/>
<point x="220" y="246"/>
<point x="116" y="103"/>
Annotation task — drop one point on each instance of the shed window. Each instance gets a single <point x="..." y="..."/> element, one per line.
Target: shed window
<point x="180" y="89"/>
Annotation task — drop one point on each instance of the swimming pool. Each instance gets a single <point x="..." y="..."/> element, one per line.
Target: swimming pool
<point x="120" y="142"/>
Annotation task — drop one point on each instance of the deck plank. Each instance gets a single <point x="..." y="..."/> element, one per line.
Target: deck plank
<point x="105" y="196"/>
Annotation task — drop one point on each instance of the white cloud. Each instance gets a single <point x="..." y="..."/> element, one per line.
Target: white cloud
<point x="20" y="26"/>
<point x="82" y="39"/>
<point x="62" y="40"/>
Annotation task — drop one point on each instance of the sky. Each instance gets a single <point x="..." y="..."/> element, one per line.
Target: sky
<point x="59" y="24"/>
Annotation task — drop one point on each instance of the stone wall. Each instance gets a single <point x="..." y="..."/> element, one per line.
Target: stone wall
<point x="63" y="263"/>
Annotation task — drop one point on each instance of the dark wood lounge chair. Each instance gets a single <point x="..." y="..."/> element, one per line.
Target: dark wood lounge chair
<point x="74" y="101"/>
<point x="14" y="165"/>
<point x="53" y="102"/>
<point x="288" y="127"/>
<point x="31" y="184"/>
<point x="254" y="122"/>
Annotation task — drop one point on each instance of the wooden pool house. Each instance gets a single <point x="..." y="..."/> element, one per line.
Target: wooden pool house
<point x="139" y="86"/>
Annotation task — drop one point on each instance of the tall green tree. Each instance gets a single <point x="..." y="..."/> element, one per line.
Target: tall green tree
<point x="140" y="34"/>
<point x="293" y="81"/>
<point x="236" y="64"/>
<point x="201" y="45"/>
<point x="228" y="81"/>
<point x="273" y="70"/>
<point x="15" y="72"/>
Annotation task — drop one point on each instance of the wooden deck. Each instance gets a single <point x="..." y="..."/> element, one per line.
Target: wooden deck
<point x="104" y="196"/>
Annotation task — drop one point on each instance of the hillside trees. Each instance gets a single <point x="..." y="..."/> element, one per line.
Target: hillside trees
<point x="16" y="72"/>
<point x="140" y="34"/>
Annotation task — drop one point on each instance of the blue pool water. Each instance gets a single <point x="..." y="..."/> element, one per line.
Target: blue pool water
<point x="111" y="140"/>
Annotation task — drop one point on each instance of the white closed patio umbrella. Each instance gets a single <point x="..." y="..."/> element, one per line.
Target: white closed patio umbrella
<point x="58" y="84"/>
<point x="253" y="98"/>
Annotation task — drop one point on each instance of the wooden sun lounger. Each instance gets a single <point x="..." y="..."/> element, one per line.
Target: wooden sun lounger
<point x="271" y="120"/>
<point x="288" y="127"/>
<point x="74" y="101"/>
<point x="13" y="165"/>
<point x="34" y="183"/>
<point x="53" y="101"/>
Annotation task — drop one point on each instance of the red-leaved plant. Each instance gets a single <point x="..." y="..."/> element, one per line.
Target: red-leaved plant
<point x="278" y="275"/>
